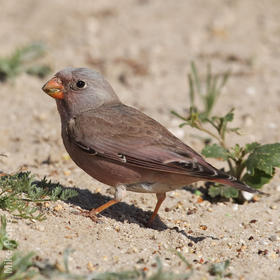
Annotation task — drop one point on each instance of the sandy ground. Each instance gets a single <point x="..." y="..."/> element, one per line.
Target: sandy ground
<point x="144" y="48"/>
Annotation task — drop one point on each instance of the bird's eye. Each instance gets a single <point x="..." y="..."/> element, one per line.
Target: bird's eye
<point x="80" y="84"/>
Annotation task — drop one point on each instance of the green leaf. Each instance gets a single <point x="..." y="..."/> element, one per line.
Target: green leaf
<point x="214" y="191"/>
<point x="264" y="158"/>
<point x="251" y="147"/>
<point x="223" y="191"/>
<point x="197" y="193"/>
<point x="229" y="192"/>
<point x="257" y="180"/>
<point x="219" y="269"/>
<point x="5" y="242"/>
<point x="215" y="151"/>
<point x="229" y="116"/>
<point x="20" y="192"/>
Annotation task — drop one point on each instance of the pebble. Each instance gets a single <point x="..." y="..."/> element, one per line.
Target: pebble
<point x="178" y="132"/>
<point x="262" y="242"/>
<point x="90" y="266"/>
<point x="272" y="125"/>
<point x="278" y="188"/>
<point x="58" y="208"/>
<point x="41" y="228"/>
<point x="248" y="121"/>
<point x="65" y="157"/>
<point x="203" y="227"/>
<point x="251" y="91"/>
<point x="47" y="204"/>
<point x="235" y="207"/>
<point x="247" y="196"/>
<point x="66" y="172"/>
<point x="273" y="238"/>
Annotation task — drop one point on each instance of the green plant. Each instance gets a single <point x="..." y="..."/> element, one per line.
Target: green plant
<point x="24" y="267"/>
<point x="19" y="193"/>
<point x="22" y="60"/>
<point x="18" y="267"/>
<point x="220" y="269"/>
<point x="252" y="163"/>
<point x="5" y="242"/>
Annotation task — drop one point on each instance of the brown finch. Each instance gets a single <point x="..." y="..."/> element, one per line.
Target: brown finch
<point x="121" y="146"/>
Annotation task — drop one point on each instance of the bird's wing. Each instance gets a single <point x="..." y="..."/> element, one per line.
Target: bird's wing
<point x="126" y="135"/>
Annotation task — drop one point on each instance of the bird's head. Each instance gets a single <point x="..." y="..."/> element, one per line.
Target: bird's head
<point x="80" y="89"/>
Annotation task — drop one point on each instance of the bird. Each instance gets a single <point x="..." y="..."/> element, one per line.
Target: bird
<point x="121" y="146"/>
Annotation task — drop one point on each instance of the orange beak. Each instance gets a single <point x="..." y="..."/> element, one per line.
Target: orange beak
<point x="54" y="88"/>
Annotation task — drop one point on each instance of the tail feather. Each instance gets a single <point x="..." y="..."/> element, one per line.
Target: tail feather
<point x="233" y="182"/>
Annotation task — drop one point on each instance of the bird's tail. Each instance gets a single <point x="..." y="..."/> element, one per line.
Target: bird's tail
<point x="233" y="182"/>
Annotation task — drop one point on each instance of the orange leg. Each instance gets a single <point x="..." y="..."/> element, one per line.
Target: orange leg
<point x="119" y="195"/>
<point x="160" y="198"/>
<point x="93" y="212"/>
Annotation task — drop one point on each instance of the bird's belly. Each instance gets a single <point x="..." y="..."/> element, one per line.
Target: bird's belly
<point x="146" y="187"/>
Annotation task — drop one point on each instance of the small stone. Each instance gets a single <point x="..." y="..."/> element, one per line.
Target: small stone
<point x="90" y="266"/>
<point x="191" y="211"/>
<point x="178" y="132"/>
<point x="248" y="121"/>
<point x="273" y="256"/>
<point x="235" y="207"/>
<point x="256" y="198"/>
<point x="58" y="208"/>
<point x="66" y="172"/>
<point x="68" y="236"/>
<point x="262" y="242"/>
<point x="273" y="207"/>
<point x="247" y="196"/>
<point x="272" y="125"/>
<point x="273" y="238"/>
<point x="251" y="237"/>
<point x="41" y="228"/>
<point x="242" y="248"/>
<point x="251" y="91"/>
<point x="203" y="227"/>
<point x="263" y="252"/>
<point x="47" y="204"/>
<point x="65" y="157"/>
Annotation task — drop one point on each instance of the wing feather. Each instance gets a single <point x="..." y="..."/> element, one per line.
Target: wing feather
<point x="120" y="132"/>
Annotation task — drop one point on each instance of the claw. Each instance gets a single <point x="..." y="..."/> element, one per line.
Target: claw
<point x="90" y="214"/>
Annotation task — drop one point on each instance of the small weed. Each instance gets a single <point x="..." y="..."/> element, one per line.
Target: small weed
<point x="220" y="269"/>
<point x="5" y="242"/>
<point x="22" y="60"/>
<point x="24" y="267"/>
<point x="253" y="163"/>
<point x="19" y="193"/>
<point x="19" y="267"/>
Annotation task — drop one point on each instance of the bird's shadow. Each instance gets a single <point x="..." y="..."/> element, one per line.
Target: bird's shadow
<point x="122" y="212"/>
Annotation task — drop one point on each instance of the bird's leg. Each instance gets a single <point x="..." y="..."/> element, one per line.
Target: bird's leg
<point x="119" y="195"/>
<point x="160" y="198"/>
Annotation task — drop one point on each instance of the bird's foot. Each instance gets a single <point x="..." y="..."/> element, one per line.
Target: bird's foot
<point x="90" y="214"/>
